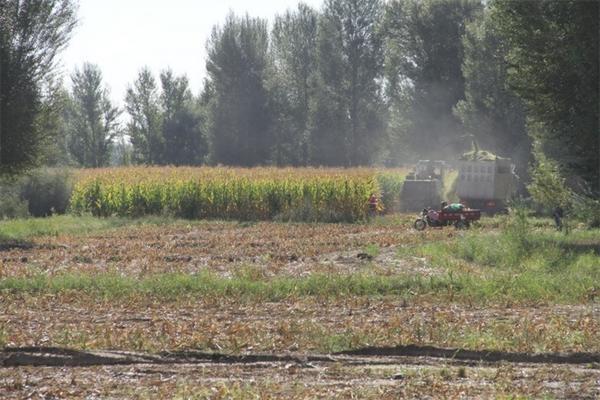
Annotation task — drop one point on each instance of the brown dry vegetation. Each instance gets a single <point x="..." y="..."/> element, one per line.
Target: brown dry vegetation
<point x="384" y="379"/>
<point x="221" y="247"/>
<point x="304" y="324"/>
<point x="297" y="324"/>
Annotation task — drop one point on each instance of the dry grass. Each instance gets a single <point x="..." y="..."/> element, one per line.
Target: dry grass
<point x="224" y="248"/>
<point x="233" y="382"/>
<point x="303" y="324"/>
<point x="296" y="269"/>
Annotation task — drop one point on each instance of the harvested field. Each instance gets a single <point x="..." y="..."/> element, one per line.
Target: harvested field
<point x="297" y="324"/>
<point x="284" y="311"/>
<point x="221" y="247"/>
<point x="193" y="375"/>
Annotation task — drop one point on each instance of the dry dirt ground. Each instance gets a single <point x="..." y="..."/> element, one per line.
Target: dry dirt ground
<point x="201" y="375"/>
<point x="221" y="247"/>
<point x="194" y="347"/>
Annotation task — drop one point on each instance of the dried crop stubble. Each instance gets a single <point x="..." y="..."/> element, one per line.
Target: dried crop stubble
<point x="288" y="381"/>
<point x="297" y="324"/>
<point x="224" y="248"/>
<point x="306" y="324"/>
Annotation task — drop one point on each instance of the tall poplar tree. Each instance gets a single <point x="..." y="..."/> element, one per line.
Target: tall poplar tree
<point x="93" y="120"/>
<point x="348" y="118"/>
<point x="292" y="83"/>
<point x="142" y="103"/>
<point x="424" y="69"/>
<point x="32" y="33"/>
<point x="182" y="129"/>
<point x="240" y="117"/>
<point x="492" y="114"/>
<point x="554" y="68"/>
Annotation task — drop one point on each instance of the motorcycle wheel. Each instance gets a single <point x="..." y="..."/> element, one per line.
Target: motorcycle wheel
<point x="420" y="225"/>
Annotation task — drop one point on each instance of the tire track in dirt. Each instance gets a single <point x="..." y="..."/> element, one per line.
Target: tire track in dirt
<point x="59" y="357"/>
<point x="475" y="355"/>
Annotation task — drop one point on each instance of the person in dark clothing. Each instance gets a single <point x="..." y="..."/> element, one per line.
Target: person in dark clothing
<point x="558" y="216"/>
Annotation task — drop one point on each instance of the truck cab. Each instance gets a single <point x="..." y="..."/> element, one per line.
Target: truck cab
<point x="423" y="186"/>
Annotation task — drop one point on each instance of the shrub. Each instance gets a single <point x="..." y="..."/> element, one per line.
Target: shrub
<point x="46" y="191"/>
<point x="587" y="208"/>
<point x="548" y="187"/>
<point x="11" y="204"/>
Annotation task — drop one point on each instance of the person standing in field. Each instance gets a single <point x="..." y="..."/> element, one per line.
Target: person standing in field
<point x="558" y="215"/>
<point x="373" y="205"/>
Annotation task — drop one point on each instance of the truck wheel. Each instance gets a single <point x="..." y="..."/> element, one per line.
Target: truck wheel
<point x="420" y="225"/>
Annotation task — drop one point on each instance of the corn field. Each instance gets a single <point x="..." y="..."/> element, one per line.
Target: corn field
<point x="293" y="194"/>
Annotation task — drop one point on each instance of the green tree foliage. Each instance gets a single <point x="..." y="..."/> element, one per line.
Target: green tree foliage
<point x="166" y="123"/>
<point x="328" y="119"/>
<point x="122" y="151"/>
<point x="52" y="120"/>
<point x="553" y="57"/>
<point x="93" y="120"/>
<point x="292" y="84"/>
<point x="348" y="111"/>
<point x="240" y="116"/>
<point x="424" y="56"/>
<point x="31" y="35"/>
<point x="185" y="143"/>
<point x="142" y="103"/>
<point x="491" y="113"/>
<point x="547" y="184"/>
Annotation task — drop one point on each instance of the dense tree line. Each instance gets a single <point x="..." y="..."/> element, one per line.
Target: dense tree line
<point x="553" y="63"/>
<point x="166" y="123"/>
<point x="31" y="35"/>
<point x="364" y="81"/>
<point x="356" y="82"/>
